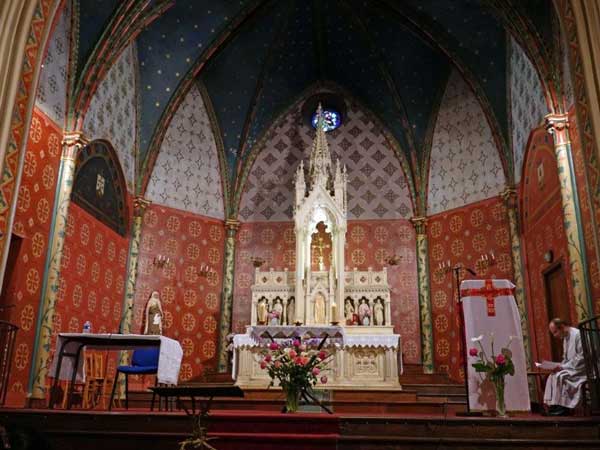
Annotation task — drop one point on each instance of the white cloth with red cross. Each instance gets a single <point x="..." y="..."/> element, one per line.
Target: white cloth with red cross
<point x="490" y="313"/>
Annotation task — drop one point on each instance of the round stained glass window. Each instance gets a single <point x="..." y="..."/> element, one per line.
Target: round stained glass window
<point x="332" y="119"/>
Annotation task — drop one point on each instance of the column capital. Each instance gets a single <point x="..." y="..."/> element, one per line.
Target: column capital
<point x="420" y="224"/>
<point x="140" y="204"/>
<point x="510" y="197"/>
<point x="72" y="142"/>
<point x="232" y="226"/>
<point x="558" y="126"/>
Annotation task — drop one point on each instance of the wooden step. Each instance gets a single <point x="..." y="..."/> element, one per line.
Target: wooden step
<point x="429" y="388"/>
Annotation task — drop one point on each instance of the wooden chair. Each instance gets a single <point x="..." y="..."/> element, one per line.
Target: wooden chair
<point x="81" y="390"/>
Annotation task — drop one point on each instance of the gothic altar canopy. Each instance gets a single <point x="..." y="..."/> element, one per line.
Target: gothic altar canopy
<point x="321" y="292"/>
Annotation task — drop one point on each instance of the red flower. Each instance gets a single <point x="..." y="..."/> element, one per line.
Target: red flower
<point x="316" y="371"/>
<point x="473" y="352"/>
<point x="500" y="360"/>
<point x="296" y="343"/>
<point x="322" y="355"/>
<point x="263" y="365"/>
<point x="299" y="361"/>
<point x="293" y="354"/>
<point x="274" y="346"/>
<point x="268" y="358"/>
<point x="277" y="364"/>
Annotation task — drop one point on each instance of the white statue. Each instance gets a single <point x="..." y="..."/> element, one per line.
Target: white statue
<point x="153" y="315"/>
<point x="378" y="312"/>
<point x="349" y="311"/>
<point x="261" y="311"/>
<point x="364" y="313"/>
<point x="278" y="310"/>
<point x="319" y="308"/>
<point x="291" y="312"/>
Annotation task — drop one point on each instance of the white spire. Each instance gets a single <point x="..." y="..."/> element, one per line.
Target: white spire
<point x="320" y="158"/>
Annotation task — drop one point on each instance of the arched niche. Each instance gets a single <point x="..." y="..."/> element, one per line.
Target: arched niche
<point x="99" y="185"/>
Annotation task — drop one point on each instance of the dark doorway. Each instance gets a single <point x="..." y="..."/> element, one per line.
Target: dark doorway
<point x="557" y="301"/>
<point x="11" y="264"/>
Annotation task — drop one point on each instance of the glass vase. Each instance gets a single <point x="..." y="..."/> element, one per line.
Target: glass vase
<point x="500" y="405"/>
<point x="292" y="399"/>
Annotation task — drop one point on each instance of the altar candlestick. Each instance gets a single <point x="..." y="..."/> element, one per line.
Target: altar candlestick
<point x="333" y="312"/>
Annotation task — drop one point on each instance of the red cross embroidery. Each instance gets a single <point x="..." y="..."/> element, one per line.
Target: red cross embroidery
<point x="490" y="293"/>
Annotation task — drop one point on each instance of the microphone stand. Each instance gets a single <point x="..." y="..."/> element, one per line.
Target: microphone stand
<point x="463" y="338"/>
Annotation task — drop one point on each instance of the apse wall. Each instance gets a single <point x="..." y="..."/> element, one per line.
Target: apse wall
<point x="465" y="165"/>
<point x="379" y="207"/>
<point x="543" y="232"/>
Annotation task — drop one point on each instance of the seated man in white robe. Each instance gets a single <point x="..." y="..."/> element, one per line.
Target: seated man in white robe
<point x="564" y="385"/>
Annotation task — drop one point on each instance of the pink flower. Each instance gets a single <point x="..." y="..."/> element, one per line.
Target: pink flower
<point x="302" y="348"/>
<point x="263" y="365"/>
<point x="322" y="355"/>
<point x="500" y="360"/>
<point x="473" y="352"/>
<point x="316" y="371"/>
<point x="268" y="358"/>
<point x="299" y="361"/>
<point x="293" y="354"/>
<point x="274" y="346"/>
<point x="277" y="364"/>
<point x="296" y="343"/>
<point x="324" y="379"/>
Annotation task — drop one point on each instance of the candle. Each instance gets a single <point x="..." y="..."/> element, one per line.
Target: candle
<point x="333" y="312"/>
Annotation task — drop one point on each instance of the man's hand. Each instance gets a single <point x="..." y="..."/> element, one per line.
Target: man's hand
<point x="557" y="369"/>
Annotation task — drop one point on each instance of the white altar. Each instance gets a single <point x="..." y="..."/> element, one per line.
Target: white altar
<point x="322" y="291"/>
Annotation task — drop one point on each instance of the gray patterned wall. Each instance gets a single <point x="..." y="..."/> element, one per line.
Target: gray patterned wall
<point x="186" y="174"/>
<point x="465" y="166"/>
<point x="527" y="103"/>
<point x="377" y="187"/>
<point x="112" y="111"/>
<point x="51" y="95"/>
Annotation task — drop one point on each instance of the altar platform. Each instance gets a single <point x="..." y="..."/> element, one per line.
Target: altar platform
<point x="260" y="430"/>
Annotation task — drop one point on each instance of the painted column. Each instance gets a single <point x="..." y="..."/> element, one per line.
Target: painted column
<point x="558" y="126"/>
<point x="511" y="201"/>
<point x="231" y="227"/>
<point x="139" y="208"/>
<point x="72" y="143"/>
<point x="420" y="224"/>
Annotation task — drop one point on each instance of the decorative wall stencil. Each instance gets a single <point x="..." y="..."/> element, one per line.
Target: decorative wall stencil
<point x="112" y="112"/>
<point x="461" y="236"/>
<point x="51" y="95"/>
<point x="186" y="174"/>
<point x="32" y="223"/>
<point x="465" y="165"/>
<point x="99" y="187"/>
<point x="543" y="231"/>
<point x="369" y="243"/>
<point x="191" y="302"/>
<point x="377" y="187"/>
<point x="527" y="102"/>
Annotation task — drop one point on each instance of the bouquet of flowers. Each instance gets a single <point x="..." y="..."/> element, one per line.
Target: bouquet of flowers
<point x="296" y="366"/>
<point x="497" y="366"/>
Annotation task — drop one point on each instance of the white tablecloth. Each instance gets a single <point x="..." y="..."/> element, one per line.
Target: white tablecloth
<point x="504" y="323"/>
<point x="169" y="359"/>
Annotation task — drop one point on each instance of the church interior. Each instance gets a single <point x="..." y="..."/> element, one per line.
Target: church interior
<point x="200" y="182"/>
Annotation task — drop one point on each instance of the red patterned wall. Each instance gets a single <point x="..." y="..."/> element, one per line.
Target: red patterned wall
<point x="32" y="223"/>
<point x="368" y="243"/>
<point x="461" y="236"/>
<point x="191" y="303"/>
<point x="586" y="210"/>
<point x="543" y="231"/>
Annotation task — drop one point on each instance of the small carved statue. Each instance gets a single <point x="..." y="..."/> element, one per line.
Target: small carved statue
<point x="349" y="311"/>
<point x="378" y="312"/>
<point x="153" y="315"/>
<point x="291" y="312"/>
<point x="364" y="313"/>
<point x="261" y="312"/>
<point x="319" y="308"/>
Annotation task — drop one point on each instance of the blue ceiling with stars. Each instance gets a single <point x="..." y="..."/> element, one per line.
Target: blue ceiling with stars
<point x="259" y="56"/>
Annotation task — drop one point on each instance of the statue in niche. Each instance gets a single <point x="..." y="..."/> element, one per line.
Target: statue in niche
<point x="319" y="308"/>
<point x="261" y="311"/>
<point x="278" y="311"/>
<point x="364" y="313"/>
<point x="349" y="312"/>
<point x="321" y="242"/>
<point x="378" y="313"/>
<point x="153" y="315"/>
<point x="291" y="312"/>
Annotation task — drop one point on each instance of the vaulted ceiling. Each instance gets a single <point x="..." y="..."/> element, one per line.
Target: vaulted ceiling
<point x="256" y="57"/>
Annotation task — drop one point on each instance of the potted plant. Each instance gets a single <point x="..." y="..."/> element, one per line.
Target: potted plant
<point x="496" y="366"/>
<point x="296" y="367"/>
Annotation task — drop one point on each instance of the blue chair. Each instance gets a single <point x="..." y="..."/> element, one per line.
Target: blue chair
<point x="143" y="362"/>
